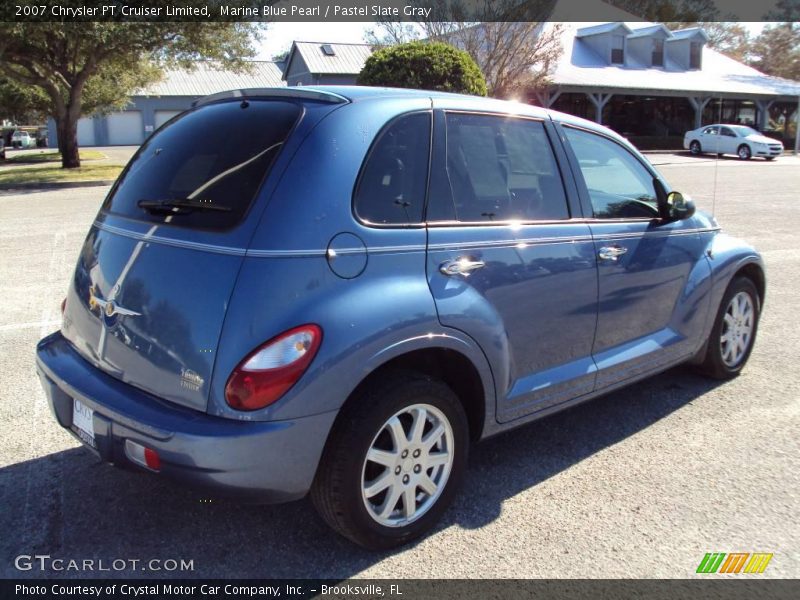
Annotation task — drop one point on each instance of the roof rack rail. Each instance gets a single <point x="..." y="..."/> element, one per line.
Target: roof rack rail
<point x="294" y="92"/>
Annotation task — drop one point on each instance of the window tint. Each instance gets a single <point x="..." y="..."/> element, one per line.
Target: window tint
<point x="727" y="131"/>
<point x="391" y="189"/>
<point x="216" y="155"/>
<point x="500" y="169"/>
<point x="711" y="131"/>
<point x="620" y="187"/>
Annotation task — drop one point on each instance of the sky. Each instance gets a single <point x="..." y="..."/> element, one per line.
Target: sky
<point x="279" y="36"/>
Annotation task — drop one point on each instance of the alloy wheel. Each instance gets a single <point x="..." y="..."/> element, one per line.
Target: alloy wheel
<point x="737" y="329"/>
<point x="407" y="465"/>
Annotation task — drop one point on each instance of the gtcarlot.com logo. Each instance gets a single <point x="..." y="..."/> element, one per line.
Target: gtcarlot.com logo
<point x="45" y="562"/>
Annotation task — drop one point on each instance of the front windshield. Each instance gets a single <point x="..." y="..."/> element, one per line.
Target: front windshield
<point x="743" y="131"/>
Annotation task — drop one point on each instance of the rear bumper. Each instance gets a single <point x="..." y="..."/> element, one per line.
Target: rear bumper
<point x="260" y="461"/>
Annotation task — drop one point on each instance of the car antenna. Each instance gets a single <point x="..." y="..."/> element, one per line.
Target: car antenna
<point x="716" y="164"/>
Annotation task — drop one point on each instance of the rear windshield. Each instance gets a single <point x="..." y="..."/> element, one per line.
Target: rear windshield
<point x="204" y="168"/>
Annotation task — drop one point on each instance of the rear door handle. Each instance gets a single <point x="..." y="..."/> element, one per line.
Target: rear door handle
<point x="611" y="252"/>
<point x="463" y="265"/>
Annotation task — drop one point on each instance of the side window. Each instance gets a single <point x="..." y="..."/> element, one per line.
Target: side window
<point x="711" y="131"/>
<point x="500" y="169"/>
<point x="391" y="188"/>
<point x="619" y="186"/>
<point x="727" y="131"/>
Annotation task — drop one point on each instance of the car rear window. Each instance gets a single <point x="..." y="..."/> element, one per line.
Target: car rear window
<point x="204" y="168"/>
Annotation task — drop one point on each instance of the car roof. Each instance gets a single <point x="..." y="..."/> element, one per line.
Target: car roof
<point x="356" y="93"/>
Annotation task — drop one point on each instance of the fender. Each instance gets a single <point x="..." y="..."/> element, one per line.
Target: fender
<point x="449" y="339"/>
<point x="726" y="256"/>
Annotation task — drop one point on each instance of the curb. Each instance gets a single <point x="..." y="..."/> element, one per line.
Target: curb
<point x="56" y="185"/>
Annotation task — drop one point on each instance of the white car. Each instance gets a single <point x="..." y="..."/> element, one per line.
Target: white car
<point x="22" y="139"/>
<point x="745" y="142"/>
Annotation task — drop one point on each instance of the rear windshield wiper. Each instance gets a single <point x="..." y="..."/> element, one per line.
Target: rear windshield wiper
<point x="183" y="206"/>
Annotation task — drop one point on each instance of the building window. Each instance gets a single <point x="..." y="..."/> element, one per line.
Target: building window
<point x="658" y="53"/>
<point x="695" y="54"/>
<point x="618" y="49"/>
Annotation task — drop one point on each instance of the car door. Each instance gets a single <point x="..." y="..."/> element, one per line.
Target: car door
<point x="650" y="310"/>
<point x="709" y="139"/>
<point x="728" y="142"/>
<point x="506" y="263"/>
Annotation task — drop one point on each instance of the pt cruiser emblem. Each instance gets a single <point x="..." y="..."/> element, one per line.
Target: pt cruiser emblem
<point x="108" y="307"/>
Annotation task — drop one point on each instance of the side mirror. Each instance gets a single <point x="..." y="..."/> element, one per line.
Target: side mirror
<point x="680" y="206"/>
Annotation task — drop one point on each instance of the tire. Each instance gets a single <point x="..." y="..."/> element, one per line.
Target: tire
<point x="744" y="152"/>
<point x="341" y="489"/>
<point x="726" y="359"/>
<point x="695" y="148"/>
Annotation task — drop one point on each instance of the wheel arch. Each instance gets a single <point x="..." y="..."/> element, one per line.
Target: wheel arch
<point x="450" y="360"/>
<point x="755" y="273"/>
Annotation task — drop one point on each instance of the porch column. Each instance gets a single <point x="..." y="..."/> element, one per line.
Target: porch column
<point x="698" y="104"/>
<point x="599" y="101"/>
<point x="763" y="113"/>
<point x="548" y="97"/>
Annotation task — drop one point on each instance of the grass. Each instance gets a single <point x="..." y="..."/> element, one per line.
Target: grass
<point x="52" y="156"/>
<point x="55" y="174"/>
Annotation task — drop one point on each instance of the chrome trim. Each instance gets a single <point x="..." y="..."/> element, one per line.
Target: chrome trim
<point x="301" y="253"/>
<point x="147" y="237"/>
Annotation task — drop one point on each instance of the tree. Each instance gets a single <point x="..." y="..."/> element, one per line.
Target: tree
<point x="425" y="66"/>
<point x="21" y="104"/>
<point x="776" y="50"/>
<point x="86" y="67"/>
<point x="682" y="12"/>
<point x="514" y="46"/>
<point x="388" y="33"/>
<point x="513" y="56"/>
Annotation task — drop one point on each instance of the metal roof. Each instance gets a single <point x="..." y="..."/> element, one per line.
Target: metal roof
<point x="581" y="67"/>
<point x="650" y="31"/>
<point x="685" y="34"/>
<point x="347" y="59"/>
<point x="209" y="78"/>
<point x="601" y="28"/>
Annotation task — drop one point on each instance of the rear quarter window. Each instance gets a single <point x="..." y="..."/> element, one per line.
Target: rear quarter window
<point x="213" y="158"/>
<point x="391" y="187"/>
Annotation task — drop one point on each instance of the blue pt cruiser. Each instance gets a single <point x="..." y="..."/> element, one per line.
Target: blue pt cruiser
<point x="336" y="290"/>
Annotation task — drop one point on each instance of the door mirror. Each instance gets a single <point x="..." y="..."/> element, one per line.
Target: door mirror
<point x="680" y="206"/>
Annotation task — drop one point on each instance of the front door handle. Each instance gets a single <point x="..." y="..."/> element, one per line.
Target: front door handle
<point x="463" y="265"/>
<point x="611" y="252"/>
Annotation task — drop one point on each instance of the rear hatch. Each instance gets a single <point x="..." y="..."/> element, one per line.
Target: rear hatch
<point x="153" y="281"/>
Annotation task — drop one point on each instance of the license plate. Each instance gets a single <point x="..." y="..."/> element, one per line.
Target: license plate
<point x="83" y="422"/>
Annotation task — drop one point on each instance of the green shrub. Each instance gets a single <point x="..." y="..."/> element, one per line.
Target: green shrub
<point x="424" y="66"/>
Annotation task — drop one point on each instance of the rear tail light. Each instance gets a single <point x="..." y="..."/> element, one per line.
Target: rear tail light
<point x="270" y="370"/>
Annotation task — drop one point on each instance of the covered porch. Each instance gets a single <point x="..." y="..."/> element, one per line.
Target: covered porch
<point x="658" y="119"/>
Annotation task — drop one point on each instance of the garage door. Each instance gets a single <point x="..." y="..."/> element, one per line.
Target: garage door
<point x="162" y="116"/>
<point x="125" y="128"/>
<point x="86" y="132"/>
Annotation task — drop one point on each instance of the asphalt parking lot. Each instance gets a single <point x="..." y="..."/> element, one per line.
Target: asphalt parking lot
<point x="641" y="483"/>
